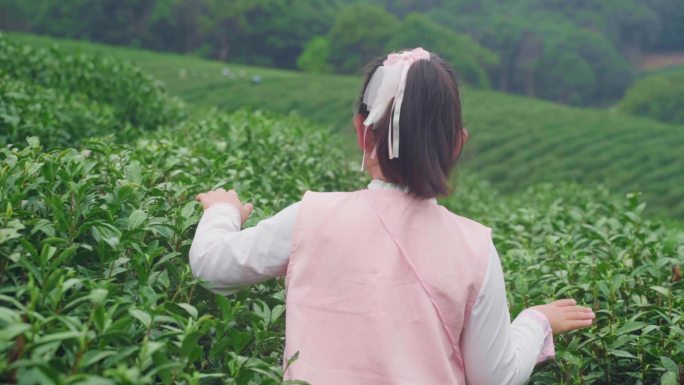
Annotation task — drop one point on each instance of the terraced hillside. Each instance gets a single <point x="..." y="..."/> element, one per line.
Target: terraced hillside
<point x="322" y="98"/>
<point x="521" y="141"/>
<point x="515" y="142"/>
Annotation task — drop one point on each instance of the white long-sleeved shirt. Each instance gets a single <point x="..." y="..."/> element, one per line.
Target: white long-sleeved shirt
<point x="495" y="351"/>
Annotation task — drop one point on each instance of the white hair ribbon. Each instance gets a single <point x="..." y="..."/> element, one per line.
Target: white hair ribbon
<point x="388" y="82"/>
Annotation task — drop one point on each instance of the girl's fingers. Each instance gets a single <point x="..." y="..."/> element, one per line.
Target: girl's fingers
<point x="565" y="302"/>
<point x="570" y="325"/>
<point x="199" y="197"/>
<point x="247" y="211"/>
<point x="574" y="309"/>
<point x="579" y="315"/>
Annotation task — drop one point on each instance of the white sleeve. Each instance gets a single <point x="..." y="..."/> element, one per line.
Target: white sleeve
<point x="228" y="259"/>
<point x="494" y="350"/>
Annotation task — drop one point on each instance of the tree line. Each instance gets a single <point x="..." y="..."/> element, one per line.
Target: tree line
<point x="572" y="52"/>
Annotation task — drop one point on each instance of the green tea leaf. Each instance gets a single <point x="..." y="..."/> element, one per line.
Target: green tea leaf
<point x="668" y="364"/>
<point x="188" y="209"/>
<point x="136" y="219"/>
<point x="142" y="316"/>
<point x="630" y="327"/>
<point x="661" y="290"/>
<point x="622" y="353"/>
<point x="669" y="378"/>
<point x="134" y="173"/>
<point x="93" y="356"/>
<point x="33" y="141"/>
<point x="9" y="332"/>
<point x="60" y="336"/>
<point x="189" y="345"/>
<point x="97" y="296"/>
<point x="189" y="308"/>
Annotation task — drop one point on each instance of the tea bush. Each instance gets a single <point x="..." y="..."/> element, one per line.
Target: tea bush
<point x="568" y="241"/>
<point x="59" y="119"/>
<point x="94" y="282"/>
<point x="135" y="98"/>
<point x="515" y="142"/>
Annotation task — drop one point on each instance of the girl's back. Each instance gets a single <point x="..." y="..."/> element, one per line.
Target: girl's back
<point x="379" y="285"/>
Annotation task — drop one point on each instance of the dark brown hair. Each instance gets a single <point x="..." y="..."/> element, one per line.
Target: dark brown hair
<point x="431" y="128"/>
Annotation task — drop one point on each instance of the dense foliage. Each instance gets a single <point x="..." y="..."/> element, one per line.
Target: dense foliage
<point x="62" y="119"/>
<point x="515" y="142"/>
<point x="98" y="83"/>
<point x="585" y="244"/>
<point x="93" y="253"/>
<point x="658" y="96"/>
<point x="95" y="287"/>
<point x="572" y="52"/>
<point x="315" y="58"/>
<point x="543" y="54"/>
<point x="363" y="31"/>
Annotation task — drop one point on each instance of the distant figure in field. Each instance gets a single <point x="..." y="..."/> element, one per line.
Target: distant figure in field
<point x="383" y="285"/>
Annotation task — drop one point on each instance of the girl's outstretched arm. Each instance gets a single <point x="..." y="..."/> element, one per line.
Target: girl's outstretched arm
<point x="496" y="351"/>
<point x="228" y="258"/>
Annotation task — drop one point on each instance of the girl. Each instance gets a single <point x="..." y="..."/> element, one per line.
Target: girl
<point x="384" y="286"/>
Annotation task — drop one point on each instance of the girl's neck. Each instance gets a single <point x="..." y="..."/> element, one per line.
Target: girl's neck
<point x="374" y="170"/>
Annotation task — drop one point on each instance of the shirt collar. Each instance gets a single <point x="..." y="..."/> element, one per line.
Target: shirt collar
<point x="377" y="184"/>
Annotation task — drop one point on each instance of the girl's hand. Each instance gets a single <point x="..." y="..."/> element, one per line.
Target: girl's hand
<point x="211" y="198"/>
<point x="564" y="315"/>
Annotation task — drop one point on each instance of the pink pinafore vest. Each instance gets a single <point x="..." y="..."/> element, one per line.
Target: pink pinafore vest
<point x="379" y="288"/>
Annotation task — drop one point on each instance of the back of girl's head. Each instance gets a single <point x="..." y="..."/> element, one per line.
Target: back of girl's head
<point x="431" y="128"/>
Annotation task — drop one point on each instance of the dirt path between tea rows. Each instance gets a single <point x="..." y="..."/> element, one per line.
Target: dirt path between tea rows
<point x="659" y="61"/>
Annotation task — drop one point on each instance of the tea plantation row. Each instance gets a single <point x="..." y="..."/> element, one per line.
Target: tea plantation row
<point x="95" y="287"/>
<point x="94" y="242"/>
<point x="559" y="241"/>
<point x="516" y="142"/>
<point x="66" y="97"/>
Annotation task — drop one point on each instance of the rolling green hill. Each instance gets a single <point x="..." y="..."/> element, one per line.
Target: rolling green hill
<point x="322" y="98"/>
<point x="515" y="141"/>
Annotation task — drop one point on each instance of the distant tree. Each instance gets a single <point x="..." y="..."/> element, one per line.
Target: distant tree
<point x="360" y="32"/>
<point x="316" y="56"/>
<point x="470" y="60"/>
<point x="222" y="23"/>
<point x="538" y="48"/>
<point x="14" y="15"/>
<point x="566" y="77"/>
<point x="671" y="36"/>
<point x="498" y="33"/>
<point x="173" y="26"/>
<point x="276" y="30"/>
<point x="544" y="56"/>
<point x="658" y="96"/>
<point x="628" y="24"/>
<point x="402" y="8"/>
<point x="579" y="67"/>
<point x="109" y="21"/>
<point x="59" y="18"/>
